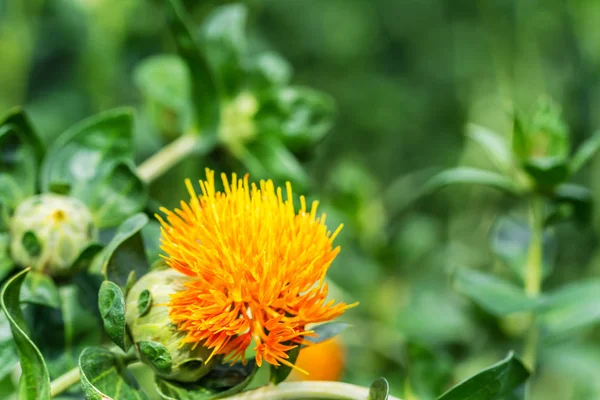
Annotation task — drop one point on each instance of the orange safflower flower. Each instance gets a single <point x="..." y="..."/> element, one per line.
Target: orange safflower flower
<point x="259" y="268"/>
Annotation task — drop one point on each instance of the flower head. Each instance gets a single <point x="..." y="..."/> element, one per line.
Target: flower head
<point x="48" y="232"/>
<point x="258" y="267"/>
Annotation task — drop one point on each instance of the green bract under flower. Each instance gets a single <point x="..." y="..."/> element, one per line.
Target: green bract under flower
<point x="49" y="231"/>
<point x="156" y="339"/>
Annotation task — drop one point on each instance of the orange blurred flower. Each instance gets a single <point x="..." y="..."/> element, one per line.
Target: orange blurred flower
<point x="323" y="362"/>
<point x="259" y="268"/>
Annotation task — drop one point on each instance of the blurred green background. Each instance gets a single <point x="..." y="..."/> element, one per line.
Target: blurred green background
<point x="407" y="78"/>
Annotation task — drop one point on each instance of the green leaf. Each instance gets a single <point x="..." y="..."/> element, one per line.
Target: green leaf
<point x="573" y="307"/>
<point x="493" y="144"/>
<point x="299" y="116"/>
<point x="35" y="379"/>
<point x="8" y="352"/>
<point x="379" y="390"/>
<point x="547" y="171"/>
<point x="470" y="176"/>
<point x="268" y="70"/>
<point x="281" y="372"/>
<point x="492" y="383"/>
<point x="95" y="159"/>
<point x="157" y="355"/>
<point x="19" y="119"/>
<point x="40" y="289"/>
<point x="224" y="42"/>
<point x="6" y="263"/>
<point x="519" y="138"/>
<point x="18" y="166"/>
<point x="493" y="294"/>
<point x="111" y="304"/>
<point x="124" y="253"/>
<point x="269" y="158"/>
<point x="104" y="374"/>
<point x="585" y="152"/>
<point x="510" y="242"/>
<point x="578" y="197"/>
<point x="144" y="302"/>
<point x="79" y="155"/>
<point x="205" y="93"/>
<point x="222" y="381"/>
<point x="326" y="331"/>
<point x="21" y="152"/>
<point x="86" y="257"/>
<point x="116" y="194"/>
<point x="165" y="82"/>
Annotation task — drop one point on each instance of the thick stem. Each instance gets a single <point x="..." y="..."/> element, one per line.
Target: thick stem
<point x="168" y="156"/>
<point x="71" y="377"/>
<point x="306" y="390"/>
<point x="64" y="382"/>
<point x="533" y="275"/>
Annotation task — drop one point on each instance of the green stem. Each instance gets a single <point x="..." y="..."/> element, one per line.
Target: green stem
<point x="533" y="275"/>
<point x="168" y="156"/>
<point x="71" y="377"/>
<point x="64" y="382"/>
<point x="306" y="390"/>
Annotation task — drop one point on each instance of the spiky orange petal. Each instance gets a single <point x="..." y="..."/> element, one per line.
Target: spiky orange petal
<point x="259" y="268"/>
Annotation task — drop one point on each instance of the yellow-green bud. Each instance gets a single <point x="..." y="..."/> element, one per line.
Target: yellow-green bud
<point x="237" y="126"/>
<point x="49" y="231"/>
<point x="147" y="317"/>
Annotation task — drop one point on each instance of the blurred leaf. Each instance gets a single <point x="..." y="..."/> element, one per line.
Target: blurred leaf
<point x="585" y="152"/>
<point x="18" y="166"/>
<point x="493" y="294"/>
<point x="547" y="171"/>
<point x="495" y="382"/>
<point x="86" y="257"/>
<point x="35" y="380"/>
<point x="151" y="235"/>
<point x="224" y="41"/>
<point x="326" y="331"/>
<point x="21" y="152"/>
<point x="8" y="353"/>
<point x="510" y="242"/>
<point x="157" y="355"/>
<point x="269" y="158"/>
<point x="222" y="381"/>
<point x="104" y="374"/>
<point x="493" y="144"/>
<point x="470" y="176"/>
<point x="115" y="195"/>
<point x="111" y="304"/>
<point x="80" y="154"/>
<point x="299" y="116"/>
<point x="267" y="70"/>
<point x="81" y="322"/>
<point x="519" y="138"/>
<point x="578" y="197"/>
<point x="19" y="119"/>
<point x="281" y="372"/>
<point x="164" y="81"/>
<point x="6" y="263"/>
<point x="380" y="389"/>
<point x="573" y="307"/>
<point x="125" y="253"/>
<point x="205" y="93"/>
<point x="39" y="288"/>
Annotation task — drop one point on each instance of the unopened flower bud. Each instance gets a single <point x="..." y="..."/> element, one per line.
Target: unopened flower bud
<point x="49" y="231"/>
<point x="147" y="316"/>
